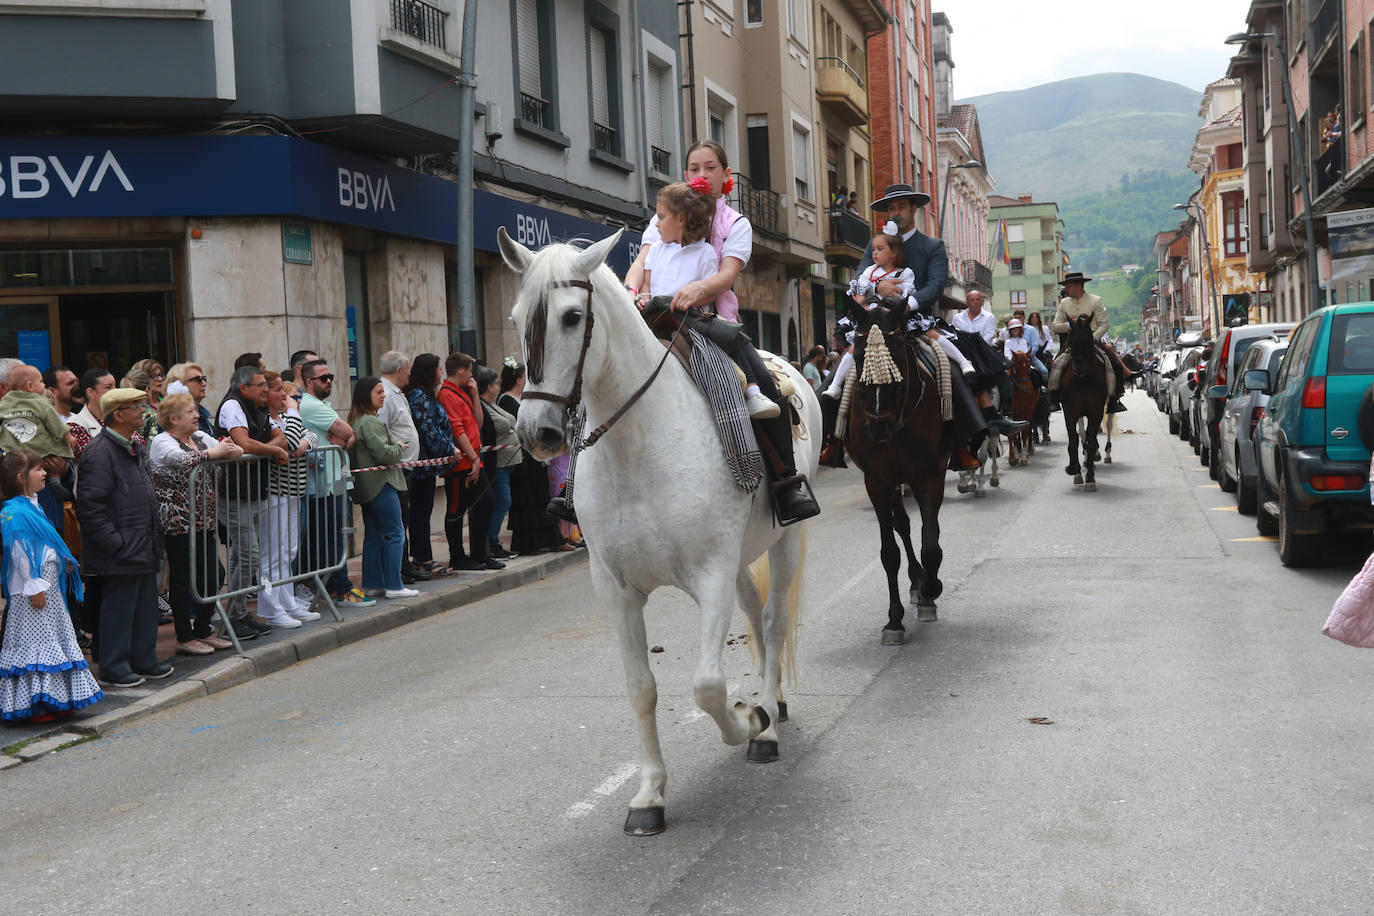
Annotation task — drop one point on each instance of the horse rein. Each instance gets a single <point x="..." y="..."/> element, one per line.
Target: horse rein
<point x="913" y="369"/>
<point x="534" y="357"/>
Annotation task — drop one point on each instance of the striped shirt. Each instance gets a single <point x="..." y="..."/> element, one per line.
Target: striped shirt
<point x="289" y="480"/>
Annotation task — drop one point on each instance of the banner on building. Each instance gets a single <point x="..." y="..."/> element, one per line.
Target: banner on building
<point x="1352" y="243"/>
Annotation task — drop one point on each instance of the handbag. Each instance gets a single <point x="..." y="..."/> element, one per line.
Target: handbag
<point x="71" y="528"/>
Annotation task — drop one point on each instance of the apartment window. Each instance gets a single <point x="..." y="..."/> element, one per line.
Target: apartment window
<point x="913" y="95"/>
<point x="796" y="19"/>
<point x="1355" y="80"/>
<point x="911" y="21"/>
<point x="1016" y="232"/>
<point x="753" y="13"/>
<point x="1371" y="74"/>
<point x="1263" y="221"/>
<point x="1018" y="297"/>
<point x="1232" y="223"/>
<point x="760" y="171"/>
<point x="535" y="65"/>
<point x="603" y="85"/>
<point x="658" y="108"/>
<point x="1018" y="266"/>
<point x="801" y="162"/>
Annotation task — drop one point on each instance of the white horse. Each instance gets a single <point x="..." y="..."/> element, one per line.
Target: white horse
<point x="655" y="499"/>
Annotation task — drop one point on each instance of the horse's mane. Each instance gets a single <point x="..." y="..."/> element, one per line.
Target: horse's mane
<point x="551" y="264"/>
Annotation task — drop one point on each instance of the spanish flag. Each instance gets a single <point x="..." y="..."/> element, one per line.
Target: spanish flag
<point x="999" y="243"/>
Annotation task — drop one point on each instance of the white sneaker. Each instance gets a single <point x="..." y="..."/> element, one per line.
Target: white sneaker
<point x="283" y="622"/>
<point x="401" y="592"/>
<point x="303" y="613"/>
<point x="761" y="408"/>
<point x="305" y="595"/>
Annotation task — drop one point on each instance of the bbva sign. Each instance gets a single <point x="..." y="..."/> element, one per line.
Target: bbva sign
<point x="29" y="176"/>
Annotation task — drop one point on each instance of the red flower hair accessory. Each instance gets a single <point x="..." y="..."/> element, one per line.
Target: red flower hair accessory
<point x="700" y="185"/>
<point x="728" y="185"/>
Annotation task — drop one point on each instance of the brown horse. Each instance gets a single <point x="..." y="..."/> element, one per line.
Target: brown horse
<point x="896" y="435"/>
<point x="1024" y="399"/>
<point x="1083" y="393"/>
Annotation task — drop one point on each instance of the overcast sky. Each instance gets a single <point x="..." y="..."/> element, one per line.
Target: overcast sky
<point x="1012" y="44"/>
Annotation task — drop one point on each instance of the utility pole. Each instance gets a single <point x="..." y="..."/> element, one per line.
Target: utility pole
<point x="467" y="87"/>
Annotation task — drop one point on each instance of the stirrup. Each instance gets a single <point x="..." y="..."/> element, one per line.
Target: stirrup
<point x="785" y="484"/>
<point x="561" y="507"/>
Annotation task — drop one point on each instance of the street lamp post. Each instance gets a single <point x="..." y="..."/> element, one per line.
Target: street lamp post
<point x="944" y="196"/>
<point x="1201" y="217"/>
<point x="1240" y="38"/>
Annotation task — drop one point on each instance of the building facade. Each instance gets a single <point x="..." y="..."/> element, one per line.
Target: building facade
<point x="901" y="75"/>
<point x="1034" y="243"/>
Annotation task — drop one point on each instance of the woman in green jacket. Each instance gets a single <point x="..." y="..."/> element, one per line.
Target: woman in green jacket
<point x="378" y="493"/>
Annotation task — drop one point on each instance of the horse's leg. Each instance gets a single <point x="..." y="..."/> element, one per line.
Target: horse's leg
<point x="882" y="495"/>
<point x="740" y="722"/>
<point x="901" y="523"/>
<point x="751" y="603"/>
<point x="1074" y="469"/>
<point x="627" y="612"/>
<point x="784" y="558"/>
<point x="930" y="493"/>
<point x="1111" y="425"/>
<point x="1090" y="455"/>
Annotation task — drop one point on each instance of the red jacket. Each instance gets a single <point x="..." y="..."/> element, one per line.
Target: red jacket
<point x="458" y="406"/>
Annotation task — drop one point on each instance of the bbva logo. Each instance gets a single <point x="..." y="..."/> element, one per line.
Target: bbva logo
<point x="359" y="191"/>
<point x="28" y="175"/>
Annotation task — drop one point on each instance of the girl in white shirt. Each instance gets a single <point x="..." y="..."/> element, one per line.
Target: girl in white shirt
<point x="681" y="256"/>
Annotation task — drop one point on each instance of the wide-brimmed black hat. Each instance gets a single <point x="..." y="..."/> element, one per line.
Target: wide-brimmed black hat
<point x="900" y="192"/>
<point x="1074" y="277"/>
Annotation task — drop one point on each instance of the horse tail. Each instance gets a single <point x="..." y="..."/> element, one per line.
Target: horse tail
<point x="760" y="574"/>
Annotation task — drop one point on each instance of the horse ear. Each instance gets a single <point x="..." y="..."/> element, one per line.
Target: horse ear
<point x="516" y="256"/>
<point x="593" y="256"/>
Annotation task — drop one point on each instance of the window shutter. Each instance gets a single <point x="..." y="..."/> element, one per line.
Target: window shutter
<point x="653" y="104"/>
<point x="601" y="105"/>
<point x="801" y="160"/>
<point x="527" y="27"/>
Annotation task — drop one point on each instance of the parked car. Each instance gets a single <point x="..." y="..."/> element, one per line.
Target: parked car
<point x="1180" y="392"/>
<point x="1164" y="372"/>
<point x="1221" y="370"/>
<point x="1313" y="443"/>
<point x="1244" y="407"/>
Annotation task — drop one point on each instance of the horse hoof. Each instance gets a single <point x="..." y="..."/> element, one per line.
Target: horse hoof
<point x="1090" y="487"/>
<point x="961" y="488"/>
<point x="925" y="613"/>
<point x="996" y="481"/>
<point x="1078" y="480"/>
<point x="645" y="822"/>
<point x="981" y="494"/>
<point x="1070" y="471"/>
<point x="1107" y="460"/>
<point x="762" y="751"/>
<point x="894" y="637"/>
<point x="782" y="710"/>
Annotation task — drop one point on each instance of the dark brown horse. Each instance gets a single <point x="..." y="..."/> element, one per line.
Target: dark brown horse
<point x="896" y="435"/>
<point x="1024" y="399"/>
<point x="1083" y="393"/>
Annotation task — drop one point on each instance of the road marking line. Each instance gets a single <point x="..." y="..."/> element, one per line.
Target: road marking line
<point x="1246" y="540"/>
<point x="1209" y="486"/>
<point x="608" y="787"/>
<point x="1224" y="509"/>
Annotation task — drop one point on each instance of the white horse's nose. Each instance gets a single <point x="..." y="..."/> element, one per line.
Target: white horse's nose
<point x="549" y="437"/>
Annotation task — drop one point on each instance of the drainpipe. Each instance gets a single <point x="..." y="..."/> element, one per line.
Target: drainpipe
<point x="637" y="84"/>
<point x="467" y="84"/>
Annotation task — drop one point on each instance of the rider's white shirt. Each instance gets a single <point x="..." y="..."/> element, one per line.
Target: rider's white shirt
<point x="672" y="266"/>
<point x="984" y="324"/>
<point x="739" y="241"/>
<point x="1015" y="345"/>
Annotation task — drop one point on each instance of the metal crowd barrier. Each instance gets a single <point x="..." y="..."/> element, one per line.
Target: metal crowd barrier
<point x="263" y="543"/>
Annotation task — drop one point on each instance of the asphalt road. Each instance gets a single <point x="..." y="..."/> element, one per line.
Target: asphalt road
<point x="1204" y="748"/>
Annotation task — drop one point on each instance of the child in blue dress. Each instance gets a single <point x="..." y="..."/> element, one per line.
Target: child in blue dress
<point x="42" y="670"/>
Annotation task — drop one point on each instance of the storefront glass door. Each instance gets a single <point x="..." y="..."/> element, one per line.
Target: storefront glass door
<point x="29" y="329"/>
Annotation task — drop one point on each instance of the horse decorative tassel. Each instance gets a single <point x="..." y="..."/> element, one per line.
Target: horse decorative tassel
<point x="879" y="369"/>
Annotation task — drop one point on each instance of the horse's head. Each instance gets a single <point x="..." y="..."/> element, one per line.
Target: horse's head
<point x="887" y="315"/>
<point x="885" y="322"/>
<point x="1020" y="365"/>
<point x="554" y="311"/>
<point x="1080" y="336"/>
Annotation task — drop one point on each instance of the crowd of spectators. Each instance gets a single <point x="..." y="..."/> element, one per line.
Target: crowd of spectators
<point x="164" y="506"/>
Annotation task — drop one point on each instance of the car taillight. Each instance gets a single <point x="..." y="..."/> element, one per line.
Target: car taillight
<point x="1221" y="362"/>
<point x="1338" y="482"/>
<point x="1256" y="414"/>
<point x="1314" y="393"/>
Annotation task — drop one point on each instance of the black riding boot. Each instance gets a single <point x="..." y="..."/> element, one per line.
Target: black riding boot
<point x="1115" y="405"/>
<point x="791" y="493"/>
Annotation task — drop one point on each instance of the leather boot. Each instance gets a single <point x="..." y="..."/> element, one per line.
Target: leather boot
<point x="1053" y="395"/>
<point x="561" y="507"/>
<point x="792" y="497"/>
<point x="963" y="460"/>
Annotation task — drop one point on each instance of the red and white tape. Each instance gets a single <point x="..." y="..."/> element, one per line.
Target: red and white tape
<point x="430" y="462"/>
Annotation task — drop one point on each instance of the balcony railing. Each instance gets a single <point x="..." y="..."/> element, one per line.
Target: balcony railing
<point x="662" y="161"/>
<point x="1330" y="166"/>
<point x="759" y="205"/>
<point x="605" y="139"/>
<point x="839" y="63"/>
<point x="976" y="274"/>
<point x="535" y="110"/>
<point x="419" y="20"/>
<point x="848" y="229"/>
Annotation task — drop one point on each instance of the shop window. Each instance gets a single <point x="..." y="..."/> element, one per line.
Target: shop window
<point x="86" y="267"/>
<point x="772" y="332"/>
<point x="750" y="319"/>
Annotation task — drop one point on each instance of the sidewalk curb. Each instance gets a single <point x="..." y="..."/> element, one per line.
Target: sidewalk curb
<point x="316" y="641"/>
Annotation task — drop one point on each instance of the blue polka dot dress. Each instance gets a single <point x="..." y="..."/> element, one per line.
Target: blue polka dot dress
<point x="42" y="669"/>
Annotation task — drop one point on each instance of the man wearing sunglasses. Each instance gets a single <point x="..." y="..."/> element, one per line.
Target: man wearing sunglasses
<point x="326" y="501"/>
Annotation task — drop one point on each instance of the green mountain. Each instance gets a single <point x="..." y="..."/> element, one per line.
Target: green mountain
<point x="1077" y="136"/>
<point x="1112" y="150"/>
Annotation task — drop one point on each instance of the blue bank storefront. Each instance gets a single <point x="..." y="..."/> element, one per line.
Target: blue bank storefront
<point x="200" y="247"/>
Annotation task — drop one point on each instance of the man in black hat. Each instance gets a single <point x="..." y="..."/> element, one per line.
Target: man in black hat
<point x="1076" y="303"/>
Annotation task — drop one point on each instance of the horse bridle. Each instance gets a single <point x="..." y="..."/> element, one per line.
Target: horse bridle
<point x="901" y="416"/>
<point x="534" y="364"/>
